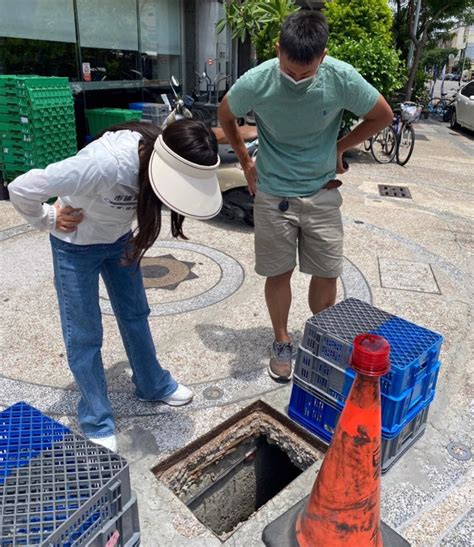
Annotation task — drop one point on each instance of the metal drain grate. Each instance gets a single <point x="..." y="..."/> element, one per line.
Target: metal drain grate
<point x="394" y="191"/>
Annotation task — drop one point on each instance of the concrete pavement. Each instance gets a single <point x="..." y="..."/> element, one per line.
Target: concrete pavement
<point x="410" y="257"/>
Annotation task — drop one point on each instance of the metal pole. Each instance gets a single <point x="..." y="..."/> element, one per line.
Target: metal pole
<point x="463" y="65"/>
<point x="415" y="28"/>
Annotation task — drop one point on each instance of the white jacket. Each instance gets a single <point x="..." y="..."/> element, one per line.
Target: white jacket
<point x="102" y="180"/>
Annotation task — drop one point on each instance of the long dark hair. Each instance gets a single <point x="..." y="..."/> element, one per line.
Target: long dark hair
<point x="190" y="139"/>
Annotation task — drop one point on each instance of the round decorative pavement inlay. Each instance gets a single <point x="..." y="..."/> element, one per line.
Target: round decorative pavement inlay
<point x="180" y="277"/>
<point x="166" y="272"/>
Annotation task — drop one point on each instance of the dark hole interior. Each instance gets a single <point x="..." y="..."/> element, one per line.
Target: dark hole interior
<point x="237" y="487"/>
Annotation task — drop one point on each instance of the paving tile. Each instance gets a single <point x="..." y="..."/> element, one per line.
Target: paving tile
<point x="407" y="275"/>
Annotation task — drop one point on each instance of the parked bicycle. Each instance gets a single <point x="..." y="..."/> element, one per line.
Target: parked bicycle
<point x="398" y="139"/>
<point x="207" y="101"/>
<point x="440" y="107"/>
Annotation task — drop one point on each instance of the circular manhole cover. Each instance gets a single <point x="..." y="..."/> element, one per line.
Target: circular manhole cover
<point x="213" y="393"/>
<point x="459" y="451"/>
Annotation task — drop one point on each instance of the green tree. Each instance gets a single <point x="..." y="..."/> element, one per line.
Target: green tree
<point x="260" y="20"/>
<point x="435" y="16"/>
<point x="360" y="19"/>
<point x="361" y="34"/>
<point x="437" y="57"/>
<point x="378" y="63"/>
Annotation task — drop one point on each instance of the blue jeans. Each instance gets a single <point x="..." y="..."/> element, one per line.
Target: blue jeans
<point x="76" y="272"/>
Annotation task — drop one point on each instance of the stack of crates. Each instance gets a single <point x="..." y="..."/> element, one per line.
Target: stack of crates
<point x="37" y="123"/>
<point x="155" y="113"/>
<point x="101" y="118"/>
<point x="58" y="489"/>
<point x="323" y="376"/>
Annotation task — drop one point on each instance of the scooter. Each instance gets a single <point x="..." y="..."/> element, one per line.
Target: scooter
<point x="180" y="109"/>
<point x="237" y="202"/>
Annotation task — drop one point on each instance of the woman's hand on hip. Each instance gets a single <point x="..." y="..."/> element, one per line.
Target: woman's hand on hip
<point x="67" y="218"/>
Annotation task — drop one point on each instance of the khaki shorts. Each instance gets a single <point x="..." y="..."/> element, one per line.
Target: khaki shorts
<point x="312" y="225"/>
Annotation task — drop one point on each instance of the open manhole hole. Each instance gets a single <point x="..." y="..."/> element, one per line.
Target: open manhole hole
<point x="394" y="191"/>
<point x="231" y="472"/>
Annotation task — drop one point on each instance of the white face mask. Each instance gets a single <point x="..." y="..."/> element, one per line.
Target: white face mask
<point x="299" y="82"/>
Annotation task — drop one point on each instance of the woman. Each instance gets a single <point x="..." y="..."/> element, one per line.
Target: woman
<point x="128" y="172"/>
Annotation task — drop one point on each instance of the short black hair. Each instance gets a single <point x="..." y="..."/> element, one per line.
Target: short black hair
<point x="304" y="36"/>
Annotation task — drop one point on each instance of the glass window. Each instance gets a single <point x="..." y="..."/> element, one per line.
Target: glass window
<point x="160" y="33"/>
<point x="108" y="32"/>
<point x="38" y="37"/>
<point x="468" y="90"/>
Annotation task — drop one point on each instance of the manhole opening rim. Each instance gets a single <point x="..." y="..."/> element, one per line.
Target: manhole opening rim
<point x="180" y="460"/>
<point x="257" y="407"/>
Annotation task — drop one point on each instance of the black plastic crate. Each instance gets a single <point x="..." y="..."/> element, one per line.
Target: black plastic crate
<point x="56" y="488"/>
<point x="414" y="350"/>
<point x="122" y="530"/>
<point x="319" y="414"/>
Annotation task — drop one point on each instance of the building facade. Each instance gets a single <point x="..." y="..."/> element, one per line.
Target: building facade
<point x="114" y="52"/>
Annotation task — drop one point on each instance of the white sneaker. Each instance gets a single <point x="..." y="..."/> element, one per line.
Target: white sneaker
<point x="107" y="442"/>
<point x="181" y="396"/>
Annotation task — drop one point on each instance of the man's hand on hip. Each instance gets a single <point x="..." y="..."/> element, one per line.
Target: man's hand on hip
<point x="341" y="166"/>
<point x="250" y="172"/>
<point x="376" y="119"/>
<point x="231" y="131"/>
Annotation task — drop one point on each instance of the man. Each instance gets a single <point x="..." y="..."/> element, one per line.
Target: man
<point x="298" y="100"/>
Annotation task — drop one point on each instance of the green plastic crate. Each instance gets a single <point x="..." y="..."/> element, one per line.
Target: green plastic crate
<point x="31" y="150"/>
<point x="17" y="165"/>
<point x="8" y="175"/>
<point x="14" y="101"/>
<point x="27" y="157"/>
<point x="12" y="81"/>
<point x="101" y="118"/>
<point x="37" y="123"/>
<point x="15" y="137"/>
<point x="8" y="109"/>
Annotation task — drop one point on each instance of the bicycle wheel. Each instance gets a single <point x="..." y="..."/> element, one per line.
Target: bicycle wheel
<point x="384" y="145"/>
<point x="440" y="109"/>
<point x="449" y="105"/>
<point x="405" y="144"/>
<point x="433" y="107"/>
<point x="202" y="114"/>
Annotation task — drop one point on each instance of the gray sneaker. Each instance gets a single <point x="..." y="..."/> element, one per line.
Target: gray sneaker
<point x="279" y="367"/>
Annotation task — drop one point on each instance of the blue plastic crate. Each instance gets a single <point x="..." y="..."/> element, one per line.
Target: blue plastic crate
<point x="336" y="382"/>
<point x="57" y="488"/>
<point x="320" y="414"/>
<point x="414" y="350"/>
<point x="24" y="433"/>
<point x="323" y="411"/>
<point x="136" y="106"/>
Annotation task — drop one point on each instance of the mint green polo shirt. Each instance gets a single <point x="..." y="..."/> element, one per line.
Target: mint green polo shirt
<point x="298" y="128"/>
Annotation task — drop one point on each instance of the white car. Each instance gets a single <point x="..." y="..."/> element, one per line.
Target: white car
<point x="462" y="113"/>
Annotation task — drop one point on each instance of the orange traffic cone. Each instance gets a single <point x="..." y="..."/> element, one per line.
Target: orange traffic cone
<point x="344" y="505"/>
